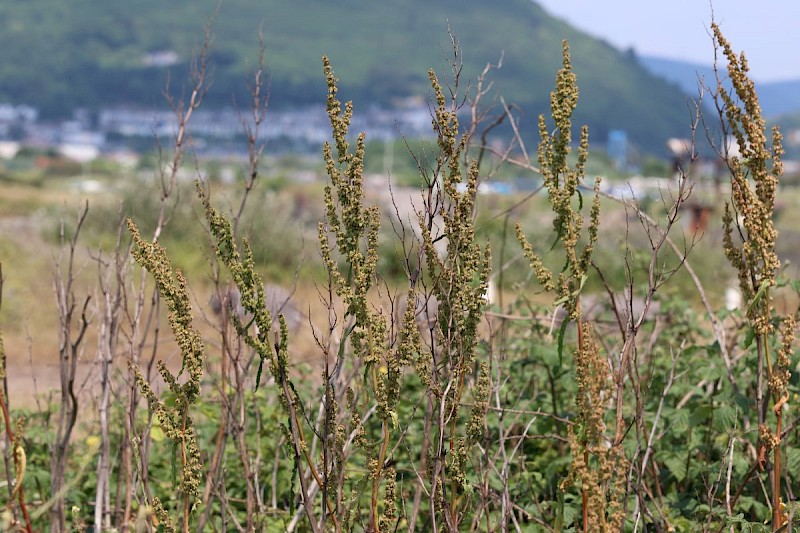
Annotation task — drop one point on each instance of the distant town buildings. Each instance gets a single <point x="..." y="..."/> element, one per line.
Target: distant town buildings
<point x="161" y="58"/>
<point x="87" y="135"/>
<point x="121" y="132"/>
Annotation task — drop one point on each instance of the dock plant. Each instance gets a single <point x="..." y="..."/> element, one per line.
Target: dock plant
<point x="598" y="466"/>
<point x="749" y="244"/>
<point x="175" y="417"/>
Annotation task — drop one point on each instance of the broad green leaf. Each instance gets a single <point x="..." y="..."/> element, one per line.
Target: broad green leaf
<point x="676" y="466"/>
<point x="765" y="284"/>
<point x="561" y="332"/>
<point x="559" y="523"/>
<point x="793" y="462"/>
<point x="748" y="339"/>
<point x="679" y="421"/>
<point x="156" y="433"/>
<point x="741" y="464"/>
<point x="725" y="417"/>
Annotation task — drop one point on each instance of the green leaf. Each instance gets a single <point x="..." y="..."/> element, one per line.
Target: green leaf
<point x="712" y="371"/>
<point x="701" y="414"/>
<point x="547" y="355"/>
<point x="680" y="420"/>
<point x="560" y="343"/>
<point x="793" y="462"/>
<point x="740" y="464"/>
<point x="559" y="523"/>
<point x="748" y="340"/>
<point x="676" y="466"/>
<point x="258" y="373"/>
<point x="571" y="512"/>
<point x="156" y="433"/>
<point x="725" y="417"/>
<point x="584" y="277"/>
<point x="174" y="463"/>
<point x="559" y="233"/>
<point x="762" y="288"/>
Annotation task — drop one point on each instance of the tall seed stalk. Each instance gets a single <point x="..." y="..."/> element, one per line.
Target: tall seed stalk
<point x="256" y="334"/>
<point x="598" y="467"/>
<point x="452" y="370"/>
<point x="458" y="280"/>
<point x="749" y="215"/>
<point x="175" y="417"/>
<point x="350" y="232"/>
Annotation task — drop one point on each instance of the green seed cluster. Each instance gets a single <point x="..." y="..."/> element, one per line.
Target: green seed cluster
<point x="754" y="181"/>
<point x="749" y="217"/>
<point x="176" y="421"/>
<point x="562" y="183"/>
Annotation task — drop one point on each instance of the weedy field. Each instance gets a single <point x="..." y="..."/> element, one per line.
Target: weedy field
<point x="266" y="355"/>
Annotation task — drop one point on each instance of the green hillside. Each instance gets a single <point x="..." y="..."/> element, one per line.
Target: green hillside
<point x="58" y="55"/>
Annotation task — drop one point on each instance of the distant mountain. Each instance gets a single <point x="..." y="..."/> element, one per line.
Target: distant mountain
<point x="789" y="123"/>
<point x="779" y="98"/>
<point x="776" y="98"/>
<point x="61" y="55"/>
<point x="684" y="74"/>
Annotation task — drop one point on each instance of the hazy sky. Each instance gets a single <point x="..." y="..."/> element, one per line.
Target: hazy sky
<point x="767" y="30"/>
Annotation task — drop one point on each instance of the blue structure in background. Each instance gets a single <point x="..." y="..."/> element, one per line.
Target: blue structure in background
<point x="617" y="148"/>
